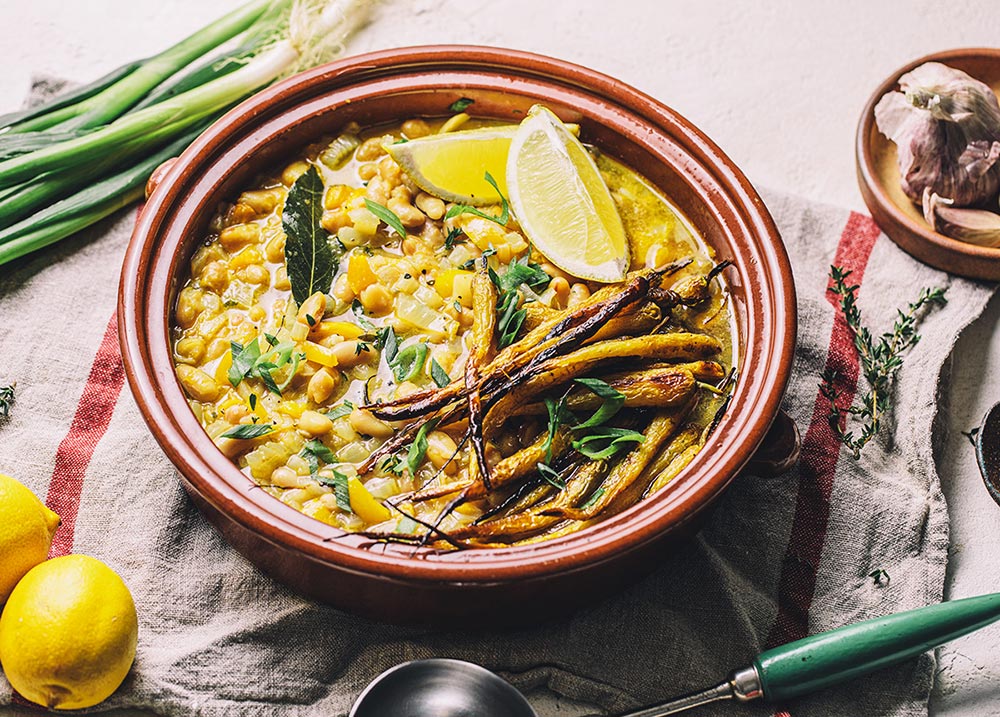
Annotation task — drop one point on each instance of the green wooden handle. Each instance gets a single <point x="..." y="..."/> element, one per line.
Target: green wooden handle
<point x="833" y="657"/>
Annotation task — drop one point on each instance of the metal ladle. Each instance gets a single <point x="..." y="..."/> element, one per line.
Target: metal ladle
<point x="453" y="688"/>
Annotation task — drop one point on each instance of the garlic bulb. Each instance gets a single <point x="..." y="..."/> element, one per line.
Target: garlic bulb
<point x="946" y="126"/>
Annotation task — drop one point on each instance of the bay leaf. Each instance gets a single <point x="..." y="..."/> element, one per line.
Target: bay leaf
<point x="309" y="257"/>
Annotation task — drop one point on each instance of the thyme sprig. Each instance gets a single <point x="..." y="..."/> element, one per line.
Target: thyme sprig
<point x="881" y="360"/>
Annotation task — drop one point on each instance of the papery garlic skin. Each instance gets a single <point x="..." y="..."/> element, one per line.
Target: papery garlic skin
<point x="946" y="127"/>
<point x="973" y="226"/>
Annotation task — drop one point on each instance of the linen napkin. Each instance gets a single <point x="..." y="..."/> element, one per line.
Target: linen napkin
<point x="779" y="558"/>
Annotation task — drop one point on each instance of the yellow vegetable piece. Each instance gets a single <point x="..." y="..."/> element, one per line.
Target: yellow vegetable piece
<point x="319" y="354"/>
<point x="368" y="508"/>
<point x="359" y="273"/>
<point x="68" y="633"/>
<point x="222" y="370"/>
<point x="444" y="283"/>
<point x="342" y="328"/>
<point x="246" y="257"/>
<point x="291" y="408"/>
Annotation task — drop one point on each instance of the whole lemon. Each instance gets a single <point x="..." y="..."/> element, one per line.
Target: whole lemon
<point x="68" y="633"/>
<point x="26" y="530"/>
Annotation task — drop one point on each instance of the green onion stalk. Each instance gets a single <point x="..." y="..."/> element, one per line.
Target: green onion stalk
<point x="281" y="37"/>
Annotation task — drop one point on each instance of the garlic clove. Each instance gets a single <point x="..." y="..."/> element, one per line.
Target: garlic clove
<point x="975" y="226"/>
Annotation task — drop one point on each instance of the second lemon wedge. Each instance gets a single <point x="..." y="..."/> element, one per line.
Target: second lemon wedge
<point x="561" y="201"/>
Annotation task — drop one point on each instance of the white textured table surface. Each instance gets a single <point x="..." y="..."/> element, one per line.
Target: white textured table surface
<point x="778" y="85"/>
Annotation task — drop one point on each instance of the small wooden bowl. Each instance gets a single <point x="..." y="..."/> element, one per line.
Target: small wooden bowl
<point x="879" y="178"/>
<point x="391" y="582"/>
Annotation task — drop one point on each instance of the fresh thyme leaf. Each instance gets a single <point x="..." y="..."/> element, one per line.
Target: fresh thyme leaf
<point x="6" y="399"/>
<point x="340" y="489"/>
<point x="247" y="431"/>
<point x="607" y="442"/>
<point x="386" y="215"/>
<point x="460" y="105"/>
<point x="340" y="411"/>
<point x="612" y="402"/>
<point x="409" y="362"/>
<point x="459" y="209"/>
<point x="310" y="259"/>
<point x="453" y="234"/>
<point x="359" y="311"/>
<point x="598" y="494"/>
<point x="418" y="449"/>
<point x="440" y="376"/>
<point x="881" y="360"/>
<point x="550" y="475"/>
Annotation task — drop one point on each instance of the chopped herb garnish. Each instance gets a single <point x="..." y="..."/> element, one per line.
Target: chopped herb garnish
<point x="409" y="361"/>
<point x="361" y="347"/>
<point x="598" y="494"/>
<point x="558" y="415"/>
<point x="247" y="431"/>
<point x="551" y="476"/>
<point x="244" y="358"/>
<point x="386" y="215"/>
<point x="612" y="402"/>
<point x="521" y="272"/>
<point x="401" y="140"/>
<point x="605" y="442"/>
<point x="459" y="209"/>
<point x="310" y="320"/>
<point x="453" y="234"/>
<point x="460" y="105"/>
<point x="457" y="305"/>
<point x="340" y="489"/>
<point x="252" y="401"/>
<point x="315" y="451"/>
<point x="440" y="376"/>
<point x="510" y="318"/>
<point x="418" y="449"/>
<point x="393" y="464"/>
<point x="6" y="399"/>
<point x="388" y="343"/>
<point x="340" y="411"/>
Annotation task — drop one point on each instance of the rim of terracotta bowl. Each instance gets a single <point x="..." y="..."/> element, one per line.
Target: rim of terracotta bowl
<point x="152" y="263"/>
<point x="915" y="237"/>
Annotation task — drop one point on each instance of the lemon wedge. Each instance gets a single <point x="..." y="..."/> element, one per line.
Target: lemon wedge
<point x="561" y="201"/>
<point x="453" y="165"/>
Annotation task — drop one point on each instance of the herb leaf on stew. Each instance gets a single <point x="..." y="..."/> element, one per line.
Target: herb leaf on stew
<point x="605" y="442"/>
<point x="247" y="431"/>
<point x="310" y="259"/>
<point x="341" y="490"/>
<point x="612" y="402"/>
<point x="461" y="105"/>
<point x="440" y="376"/>
<point x="386" y="215"/>
<point x="466" y="209"/>
<point x="418" y="449"/>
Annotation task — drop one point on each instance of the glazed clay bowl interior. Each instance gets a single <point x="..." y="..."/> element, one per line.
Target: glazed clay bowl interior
<point x="879" y="177"/>
<point x="391" y="582"/>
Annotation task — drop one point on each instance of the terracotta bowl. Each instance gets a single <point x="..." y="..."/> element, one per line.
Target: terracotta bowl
<point x="879" y="178"/>
<point x="391" y="582"/>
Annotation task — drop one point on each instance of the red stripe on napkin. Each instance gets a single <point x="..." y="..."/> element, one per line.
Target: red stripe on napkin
<point x="93" y="414"/>
<point x="820" y="451"/>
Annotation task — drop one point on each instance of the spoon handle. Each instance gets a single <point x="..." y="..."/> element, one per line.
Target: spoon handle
<point x="830" y="658"/>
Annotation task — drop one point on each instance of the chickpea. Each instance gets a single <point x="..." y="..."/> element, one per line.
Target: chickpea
<point x="377" y="191"/>
<point x="431" y="206"/>
<point x="238" y="236"/>
<point x="285" y="477"/>
<point x="312" y="309"/>
<point x="189" y="305"/>
<point x="367" y="425"/>
<point x="560" y="289"/>
<point x="281" y="282"/>
<point x="190" y="349"/>
<point x="216" y="348"/>
<point x="415" y="128"/>
<point x="336" y="196"/>
<point x="554" y="271"/>
<point x="322" y="385"/>
<point x="376" y="299"/>
<point x="367" y="171"/>
<point x="314" y="423"/>
<point x="372" y="148"/>
<point x="256" y="274"/>
<point x="410" y="245"/>
<point x="409" y="215"/>
<point x="342" y="289"/>
<point x="205" y="256"/>
<point x="389" y="171"/>
<point x="262" y="201"/>
<point x="257" y="314"/>
<point x="235" y="413"/>
<point x="578" y="293"/>
<point x="440" y="451"/>
<point x="197" y="384"/>
<point x="274" y="250"/>
<point x="335" y="220"/>
<point x="347" y="354"/>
